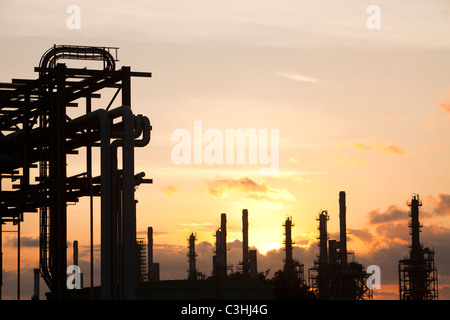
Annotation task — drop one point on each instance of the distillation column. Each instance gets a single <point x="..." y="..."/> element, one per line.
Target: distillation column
<point x="192" y="272"/>
<point x="289" y="262"/>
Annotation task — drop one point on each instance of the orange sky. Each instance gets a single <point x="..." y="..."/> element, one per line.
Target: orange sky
<point x="358" y="110"/>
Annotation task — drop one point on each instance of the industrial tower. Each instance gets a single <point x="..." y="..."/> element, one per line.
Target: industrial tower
<point x="249" y="263"/>
<point x="192" y="271"/>
<point x="333" y="276"/>
<point x="141" y="261"/>
<point x="417" y="274"/>
<point x="220" y="268"/>
<point x="292" y="268"/>
<point x="245" y="253"/>
<point x="152" y="267"/>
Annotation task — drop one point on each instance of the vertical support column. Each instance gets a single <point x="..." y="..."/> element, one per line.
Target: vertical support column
<point x="25" y="181"/>
<point x="75" y="253"/>
<point x="126" y="86"/>
<point x="125" y="224"/>
<point x="18" y="259"/>
<point x="1" y="248"/>
<point x="58" y="210"/>
<point x="91" y="201"/>
<point x="128" y="184"/>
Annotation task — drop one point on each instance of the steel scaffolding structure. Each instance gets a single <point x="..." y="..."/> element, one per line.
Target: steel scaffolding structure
<point x="292" y="268"/>
<point x="192" y="255"/>
<point x="36" y="131"/>
<point x="141" y="261"/>
<point x="418" y="278"/>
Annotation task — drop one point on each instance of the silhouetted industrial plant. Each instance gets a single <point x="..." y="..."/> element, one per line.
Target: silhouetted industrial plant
<point x="333" y="276"/>
<point x="37" y="131"/>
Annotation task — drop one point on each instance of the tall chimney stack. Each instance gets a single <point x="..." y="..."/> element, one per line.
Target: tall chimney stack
<point x="245" y="257"/>
<point x="35" y="296"/>
<point x="150" y="252"/>
<point x="223" y="244"/>
<point x="343" y="228"/>
<point x="152" y="268"/>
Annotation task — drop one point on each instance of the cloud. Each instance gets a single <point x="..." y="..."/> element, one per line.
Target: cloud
<point x="390" y="233"/>
<point x="206" y="226"/>
<point x="445" y="106"/>
<point x="362" y="234"/>
<point x="393" y="213"/>
<point x="348" y="161"/>
<point x="442" y="208"/>
<point x="444" y="103"/>
<point x="247" y="188"/>
<point x="297" y="77"/>
<point x="379" y="147"/>
<point x="433" y="148"/>
<point x="25" y="241"/>
<point x="170" y="190"/>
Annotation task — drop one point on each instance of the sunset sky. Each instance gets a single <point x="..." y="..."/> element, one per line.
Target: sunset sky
<point x="357" y="110"/>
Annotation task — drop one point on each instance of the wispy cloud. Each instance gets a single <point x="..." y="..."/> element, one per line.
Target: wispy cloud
<point x="443" y="206"/>
<point x="377" y="146"/>
<point x="247" y="188"/>
<point x="25" y="241"/>
<point x="170" y="190"/>
<point x="348" y="161"/>
<point x="205" y="226"/>
<point x="444" y="102"/>
<point x="433" y="148"/>
<point x="297" y="77"/>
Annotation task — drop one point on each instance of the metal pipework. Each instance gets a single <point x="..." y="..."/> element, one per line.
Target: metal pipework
<point x="49" y="58"/>
<point x="105" y="228"/>
<point x="123" y="258"/>
<point x="109" y="207"/>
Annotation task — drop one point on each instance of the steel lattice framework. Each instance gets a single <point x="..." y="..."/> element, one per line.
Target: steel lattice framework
<point x="36" y="131"/>
<point x="418" y="279"/>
